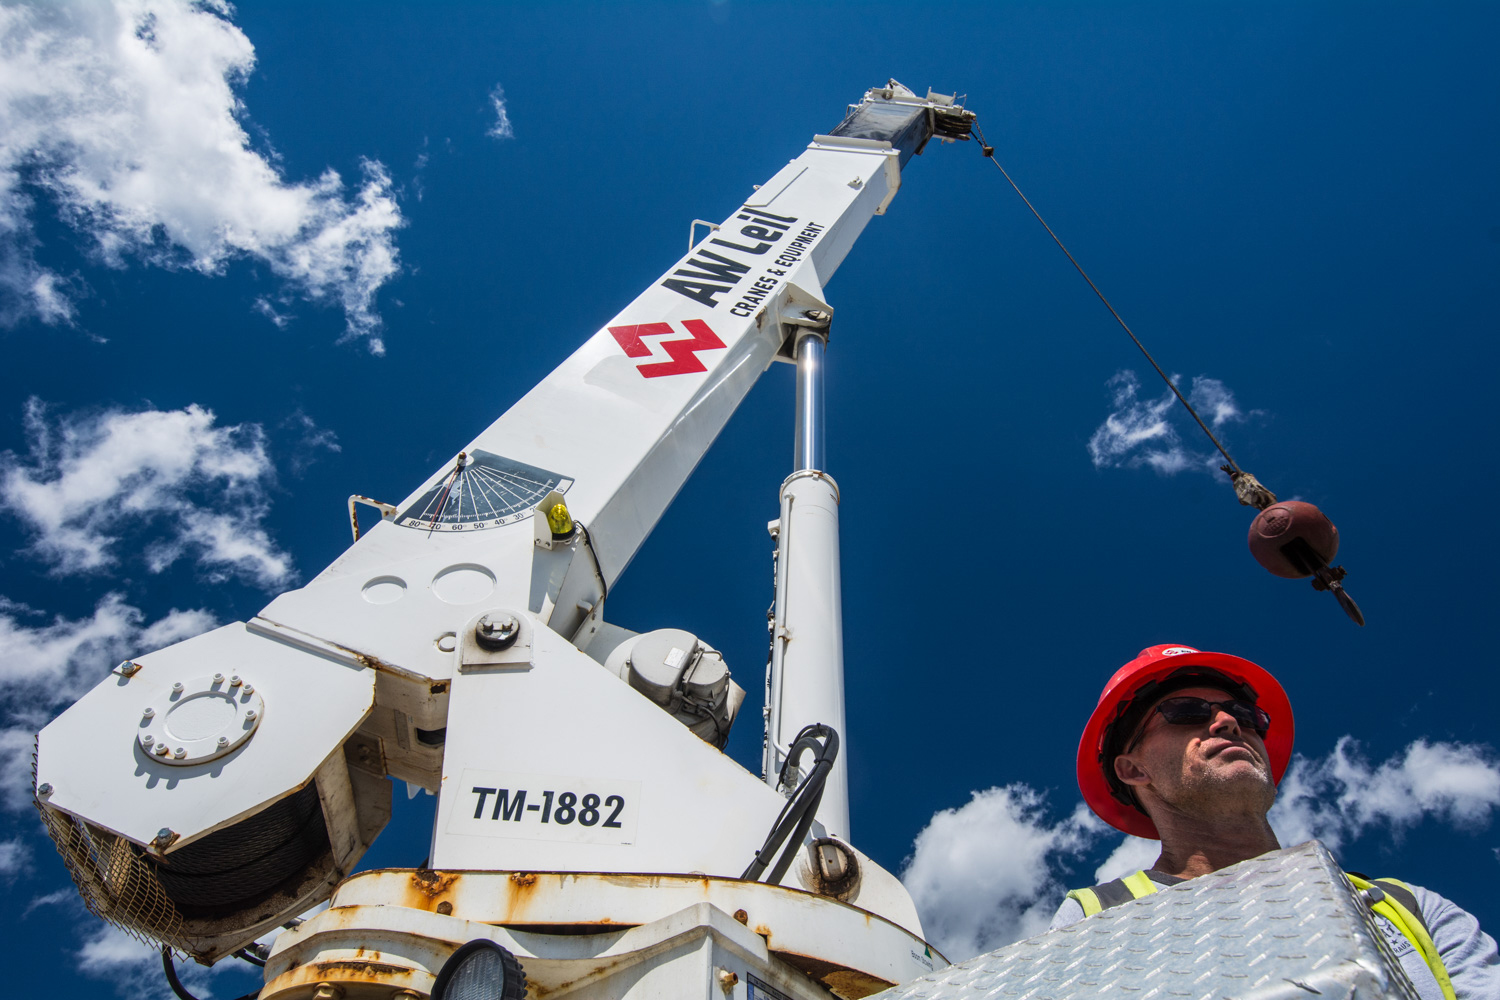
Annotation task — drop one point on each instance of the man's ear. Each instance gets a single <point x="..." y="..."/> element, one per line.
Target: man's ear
<point x="1129" y="770"/>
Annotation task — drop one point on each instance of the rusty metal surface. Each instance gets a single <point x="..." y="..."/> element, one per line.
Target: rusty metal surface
<point x="570" y="926"/>
<point x="376" y="951"/>
<point x="1284" y="925"/>
<point x="810" y="931"/>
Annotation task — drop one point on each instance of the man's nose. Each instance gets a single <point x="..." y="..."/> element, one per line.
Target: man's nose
<point x="1223" y="723"/>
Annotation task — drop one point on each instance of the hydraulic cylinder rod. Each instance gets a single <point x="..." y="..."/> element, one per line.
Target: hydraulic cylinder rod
<point x="810" y="437"/>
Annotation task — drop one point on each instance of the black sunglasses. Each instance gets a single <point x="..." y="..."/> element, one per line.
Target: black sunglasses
<point x="1190" y="711"/>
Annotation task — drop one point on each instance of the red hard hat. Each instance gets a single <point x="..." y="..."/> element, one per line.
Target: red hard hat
<point x="1156" y="672"/>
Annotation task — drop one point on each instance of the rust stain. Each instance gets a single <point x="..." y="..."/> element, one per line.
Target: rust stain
<point x="425" y="886"/>
<point x="763" y="931"/>
<point x="441" y="687"/>
<point x="841" y="981"/>
<point x="344" y="970"/>
<point x="521" y="890"/>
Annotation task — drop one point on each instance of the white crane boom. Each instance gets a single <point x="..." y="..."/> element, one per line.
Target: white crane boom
<point x="204" y="793"/>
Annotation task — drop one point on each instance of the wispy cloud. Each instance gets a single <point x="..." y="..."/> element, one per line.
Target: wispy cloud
<point x="174" y="478"/>
<point x="125" y="114"/>
<point x="1142" y="432"/>
<point x="989" y="872"/>
<point x="313" y="440"/>
<point x="15" y="857"/>
<point x="134" y="969"/>
<point x="1341" y="796"/>
<point x="501" y="129"/>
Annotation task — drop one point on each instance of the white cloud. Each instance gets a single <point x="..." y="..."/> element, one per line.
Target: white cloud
<point x="312" y="441"/>
<point x="1133" y="855"/>
<point x="15" y="857"/>
<point x="201" y="488"/>
<point x="983" y="875"/>
<point x="1339" y="797"/>
<point x="57" y="897"/>
<point x="134" y="969"/>
<point x="502" y="128"/>
<point x="125" y="113"/>
<point x="1145" y="432"/>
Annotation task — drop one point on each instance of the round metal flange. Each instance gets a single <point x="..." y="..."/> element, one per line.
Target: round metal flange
<point x="200" y="719"/>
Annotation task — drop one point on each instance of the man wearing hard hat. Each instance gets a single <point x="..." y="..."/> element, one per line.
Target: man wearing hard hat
<point x="1187" y="747"/>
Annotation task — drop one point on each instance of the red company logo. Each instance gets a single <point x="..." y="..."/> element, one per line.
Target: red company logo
<point x="684" y="353"/>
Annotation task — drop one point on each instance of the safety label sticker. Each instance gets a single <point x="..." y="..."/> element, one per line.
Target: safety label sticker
<point x="760" y="989"/>
<point x="545" y="807"/>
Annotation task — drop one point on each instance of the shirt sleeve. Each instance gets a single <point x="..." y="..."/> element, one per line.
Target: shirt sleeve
<point x="1071" y="911"/>
<point x="1468" y="953"/>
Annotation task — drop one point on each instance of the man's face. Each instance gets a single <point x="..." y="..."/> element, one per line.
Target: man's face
<point x="1213" y="768"/>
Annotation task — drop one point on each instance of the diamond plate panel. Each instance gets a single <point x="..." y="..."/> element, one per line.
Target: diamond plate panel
<point x="1284" y="925"/>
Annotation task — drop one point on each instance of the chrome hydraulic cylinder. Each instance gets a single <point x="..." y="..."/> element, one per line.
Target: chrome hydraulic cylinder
<point x="807" y="643"/>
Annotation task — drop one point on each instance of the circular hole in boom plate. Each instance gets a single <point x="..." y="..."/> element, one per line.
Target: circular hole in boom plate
<point x="465" y="583"/>
<point x="384" y="590"/>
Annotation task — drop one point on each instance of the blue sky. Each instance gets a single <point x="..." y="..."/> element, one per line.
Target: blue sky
<point x="296" y="252"/>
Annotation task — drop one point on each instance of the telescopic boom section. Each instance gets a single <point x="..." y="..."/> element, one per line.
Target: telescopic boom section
<point x="459" y="645"/>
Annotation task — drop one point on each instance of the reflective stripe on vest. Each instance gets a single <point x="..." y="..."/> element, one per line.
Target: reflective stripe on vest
<point x="1121" y="890"/>
<point x="1398" y="904"/>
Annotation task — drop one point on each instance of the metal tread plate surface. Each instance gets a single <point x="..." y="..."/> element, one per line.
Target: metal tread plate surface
<point x="1283" y="925"/>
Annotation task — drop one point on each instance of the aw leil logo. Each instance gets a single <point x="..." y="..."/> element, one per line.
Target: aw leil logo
<point x="684" y="353"/>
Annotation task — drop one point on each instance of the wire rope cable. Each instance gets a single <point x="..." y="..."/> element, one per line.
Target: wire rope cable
<point x="989" y="154"/>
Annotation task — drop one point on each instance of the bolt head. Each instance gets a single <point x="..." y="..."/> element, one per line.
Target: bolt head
<point x="223" y="741"/>
<point x="496" y="632"/>
<point x="177" y="687"/>
<point x="179" y="753"/>
<point x="128" y="667"/>
<point x="218" y="678"/>
<point x="235" y="681"/>
<point x="162" y="750"/>
<point x="251" y="716"/>
<point x="148" y="712"/>
<point x="249" y="689"/>
<point x="147" y="740"/>
<point x="45" y="788"/>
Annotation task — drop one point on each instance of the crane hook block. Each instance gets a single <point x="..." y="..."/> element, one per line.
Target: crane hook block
<point x="1296" y="540"/>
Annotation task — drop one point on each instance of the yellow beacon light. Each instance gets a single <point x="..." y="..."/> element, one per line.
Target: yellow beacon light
<point x="559" y="520"/>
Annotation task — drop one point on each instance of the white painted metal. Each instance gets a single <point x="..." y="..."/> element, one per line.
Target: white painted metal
<point x="807" y="642"/>
<point x="92" y="756"/>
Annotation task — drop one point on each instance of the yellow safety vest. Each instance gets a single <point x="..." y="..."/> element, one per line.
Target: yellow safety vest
<point x="1388" y="897"/>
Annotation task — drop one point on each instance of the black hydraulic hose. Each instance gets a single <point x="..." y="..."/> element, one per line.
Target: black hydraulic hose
<point x="176" y="984"/>
<point x="798" y="813"/>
